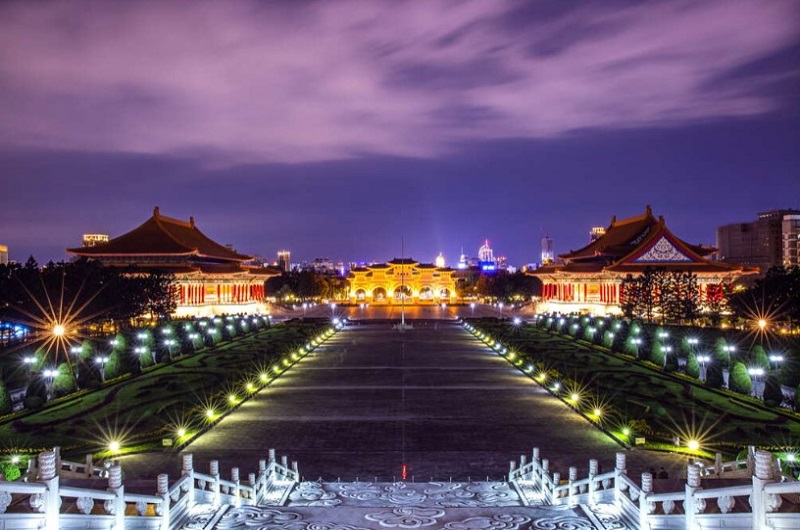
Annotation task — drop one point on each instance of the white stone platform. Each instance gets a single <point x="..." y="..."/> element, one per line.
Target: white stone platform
<point x="403" y="505"/>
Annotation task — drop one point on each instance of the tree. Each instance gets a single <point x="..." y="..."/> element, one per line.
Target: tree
<point x="6" y="405"/>
<point x="759" y="357"/>
<point x="692" y="366"/>
<point x="740" y="381"/>
<point x="777" y="295"/>
<point x="657" y="354"/>
<point x="773" y="395"/>
<point x="714" y="376"/>
<point x="721" y="352"/>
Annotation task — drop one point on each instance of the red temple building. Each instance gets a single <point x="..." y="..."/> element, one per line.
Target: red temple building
<point x="589" y="279"/>
<point x="211" y="279"/>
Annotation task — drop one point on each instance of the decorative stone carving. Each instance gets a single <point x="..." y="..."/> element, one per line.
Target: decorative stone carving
<point x="85" y="505"/>
<point x="496" y="522"/>
<point x="699" y="505"/>
<point x="668" y="506"/>
<point x="141" y="507"/>
<point x="5" y="501"/>
<point x="47" y="465"/>
<point x="773" y="502"/>
<point x="37" y="502"/>
<point x="406" y="517"/>
<point x="110" y="507"/>
<point x="725" y="503"/>
<point x="634" y="494"/>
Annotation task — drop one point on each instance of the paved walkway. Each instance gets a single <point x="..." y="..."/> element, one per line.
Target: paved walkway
<point x="433" y="399"/>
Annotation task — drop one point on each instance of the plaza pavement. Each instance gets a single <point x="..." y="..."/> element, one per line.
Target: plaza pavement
<point x="434" y="399"/>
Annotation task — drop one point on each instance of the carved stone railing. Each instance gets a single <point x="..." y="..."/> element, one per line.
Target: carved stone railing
<point x="766" y="499"/>
<point x="44" y="503"/>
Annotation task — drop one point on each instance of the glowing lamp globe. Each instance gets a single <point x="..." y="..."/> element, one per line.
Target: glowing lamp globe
<point x="181" y="432"/>
<point x="694" y="445"/>
<point x="762" y="323"/>
<point x="58" y="330"/>
<point x="113" y="446"/>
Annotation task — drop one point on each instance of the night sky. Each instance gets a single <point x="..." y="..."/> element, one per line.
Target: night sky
<point x="341" y="128"/>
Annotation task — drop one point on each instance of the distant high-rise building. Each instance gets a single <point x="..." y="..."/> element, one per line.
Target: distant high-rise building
<point x="547" y="250"/>
<point x="462" y="260"/>
<point x="596" y="233"/>
<point x="284" y="260"/>
<point x="790" y="233"/>
<point x="485" y="253"/>
<point x="764" y="243"/>
<point x="439" y="262"/>
<point x="3" y="255"/>
<point x="90" y="240"/>
<point x="486" y="260"/>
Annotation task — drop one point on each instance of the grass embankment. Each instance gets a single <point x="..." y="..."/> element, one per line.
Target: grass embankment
<point x="651" y="403"/>
<point x="139" y="412"/>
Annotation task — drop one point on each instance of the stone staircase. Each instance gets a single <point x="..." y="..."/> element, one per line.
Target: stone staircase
<point x="404" y="505"/>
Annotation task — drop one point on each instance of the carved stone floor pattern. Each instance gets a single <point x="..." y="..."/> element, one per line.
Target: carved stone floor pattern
<point x="430" y="506"/>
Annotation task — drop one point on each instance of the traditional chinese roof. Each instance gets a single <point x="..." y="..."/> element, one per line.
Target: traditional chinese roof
<point x="634" y="244"/>
<point x="403" y="261"/>
<point x="163" y="236"/>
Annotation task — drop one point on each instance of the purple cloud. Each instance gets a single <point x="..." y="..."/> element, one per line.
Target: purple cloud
<point x="300" y="82"/>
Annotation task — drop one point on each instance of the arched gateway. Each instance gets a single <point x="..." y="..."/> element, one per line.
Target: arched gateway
<point x="402" y="281"/>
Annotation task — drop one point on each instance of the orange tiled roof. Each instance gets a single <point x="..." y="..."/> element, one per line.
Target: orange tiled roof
<point x="162" y="236"/>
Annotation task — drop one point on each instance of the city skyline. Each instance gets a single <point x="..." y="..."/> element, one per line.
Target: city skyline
<point x="340" y="129"/>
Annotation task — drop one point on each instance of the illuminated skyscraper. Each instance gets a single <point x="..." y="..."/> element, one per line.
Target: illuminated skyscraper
<point x="485" y="253"/>
<point x="547" y="250"/>
<point x="284" y="260"/>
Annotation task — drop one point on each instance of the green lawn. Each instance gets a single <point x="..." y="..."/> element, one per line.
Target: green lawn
<point x="140" y="411"/>
<point x="658" y="405"/>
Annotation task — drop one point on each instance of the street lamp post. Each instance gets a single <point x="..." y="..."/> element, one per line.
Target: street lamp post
<point x="667" y="351"/>
<point x="637" y="342"/>
<point x="140" y="351"/>
<point x="703" y="359"/>
<point x="169" y="343"/>
<point x="756" y="374"/>
<point x="101" y="361"/>
<point x="49" y="374"/>
<point x="775" y="360"/>
<point x="500" y="310"/>
<point x="29" y="361"/>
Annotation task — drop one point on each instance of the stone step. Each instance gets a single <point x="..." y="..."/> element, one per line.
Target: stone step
<point x="603" y="517"/>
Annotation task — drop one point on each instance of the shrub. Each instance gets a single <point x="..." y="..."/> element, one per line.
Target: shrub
<point x="6" y="405"/>
<point x="720" y="354"/>
<point x="740" y="379"/>
<point x="759" y="357"/>
<point x="773" y="396"/>
<point x="692" y="366"/>
<point x="608" y="339"/>
<point x="714" y="377"/>
<point x="10" y="471"/>
<point x="657" y="355"/>
<point x="33" y="402"/>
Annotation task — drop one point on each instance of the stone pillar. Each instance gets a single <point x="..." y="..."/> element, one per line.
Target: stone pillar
<point x="213" y="470"/>
<point x="187" y="470"/>
<point x="237" y="501"/>
<point x="620" y="469"/>
<point x="118" y="504"/>
<point x="89" y="466"/>
<point x="692" y="506"/>
<point x="593" y="468"/>
<point x="52" y="498"/>
<point x="163" y="508"/>
<point x="251" y="479"/>
<point x="553" y="492"/>
<point x="758" y="499"/>
<point x="572" y="491"/>
<point x="545" y="474"/>
<point x="644" y="505"/>
<point x="718" y="464"/>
